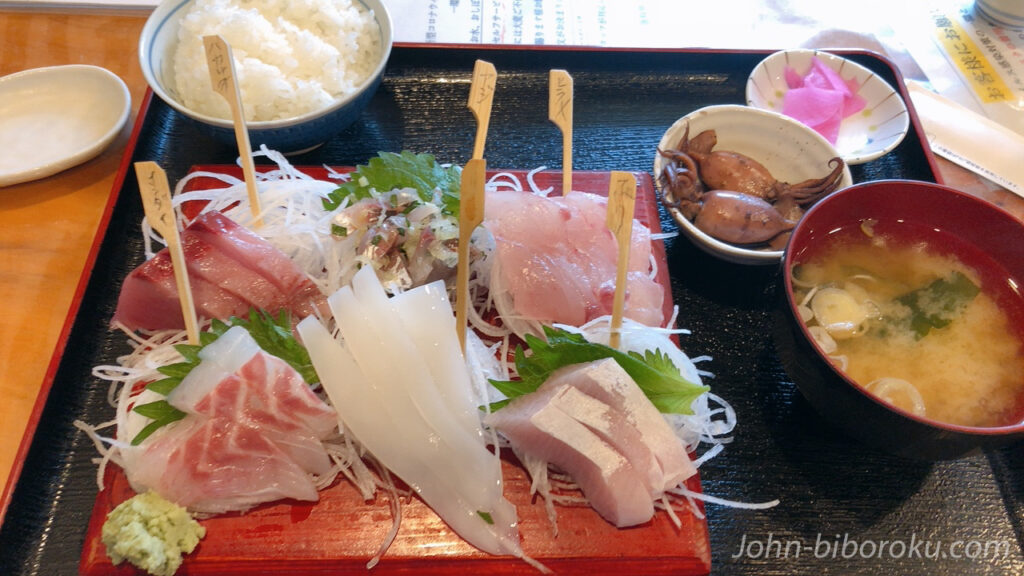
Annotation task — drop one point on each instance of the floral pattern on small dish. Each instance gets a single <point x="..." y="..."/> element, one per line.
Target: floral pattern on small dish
<point x="867" y="135"/>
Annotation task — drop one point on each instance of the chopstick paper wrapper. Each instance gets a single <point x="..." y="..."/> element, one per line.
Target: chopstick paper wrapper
<point x="970" y="140"/>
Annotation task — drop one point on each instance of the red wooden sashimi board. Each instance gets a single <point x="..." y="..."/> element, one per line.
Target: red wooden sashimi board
<point x="341" y="532"/>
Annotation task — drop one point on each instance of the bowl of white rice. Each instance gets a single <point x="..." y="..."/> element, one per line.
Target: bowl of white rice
<point x="305" y="69"/>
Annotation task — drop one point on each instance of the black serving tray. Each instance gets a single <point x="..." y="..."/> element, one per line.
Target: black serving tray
<point x="845" y="508"/>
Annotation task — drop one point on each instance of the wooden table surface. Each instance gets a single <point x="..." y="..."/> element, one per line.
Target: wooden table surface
<point x="47" y="227"/>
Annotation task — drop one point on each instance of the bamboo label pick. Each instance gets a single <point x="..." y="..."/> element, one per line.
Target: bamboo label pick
<point x="156" y="201"/>
<point x="560" y="112"/>
<point x="481" y="94"/>
<point x="222" y="76"/>
<point x="471" y="214"/>
<point x="621" y="204"/>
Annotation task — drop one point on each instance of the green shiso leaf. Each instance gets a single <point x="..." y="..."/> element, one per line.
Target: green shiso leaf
<point x="274" y="336"/>
<point x="654" y="372"/>
<point x="162" y="414"/>
<point x="389" y="171"/>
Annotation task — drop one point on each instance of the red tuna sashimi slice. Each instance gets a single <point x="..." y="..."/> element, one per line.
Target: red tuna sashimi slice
<point x="215" y="465"/>
<point x="606" y="381"/>
<point x="548" y="431"/>
<point x="556" y="258"/>
<point x="230" y="269"/>
<point x="238" y="380"/>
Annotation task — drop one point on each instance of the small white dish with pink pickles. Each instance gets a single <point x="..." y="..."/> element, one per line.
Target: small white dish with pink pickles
<point x="873" y="127"/>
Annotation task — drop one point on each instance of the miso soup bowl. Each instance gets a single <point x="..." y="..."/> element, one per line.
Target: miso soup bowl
<point x="986" y="238"/>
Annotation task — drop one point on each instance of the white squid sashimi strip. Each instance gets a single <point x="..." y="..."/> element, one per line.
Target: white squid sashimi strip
<point x="376" y="336"/>
<point x="426" y="316"/>
<point x="402" y="446"/>
<point x="398" y="376"/>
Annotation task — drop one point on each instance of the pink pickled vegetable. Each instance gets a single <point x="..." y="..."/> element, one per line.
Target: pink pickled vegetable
<point x="821" y="99"/>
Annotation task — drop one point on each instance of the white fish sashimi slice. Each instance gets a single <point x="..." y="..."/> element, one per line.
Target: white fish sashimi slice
<point x="208" y="464"/>
<point x="403" y="448"/>
<point x="593" y="212"/>
<point x="609" y="423"/>
<point x="555" y="262"/>
<point x="616" y="428"/>
<point x="238" y="380"/>
<point x="366" y="320"/>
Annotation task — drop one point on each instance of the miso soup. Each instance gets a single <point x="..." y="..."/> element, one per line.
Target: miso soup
<point x="915" y="326"/>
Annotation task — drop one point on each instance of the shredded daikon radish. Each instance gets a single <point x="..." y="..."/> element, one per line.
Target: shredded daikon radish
<point x="686" y="492"/>
<point x="396" y="514"/>
<point x="533" y="184"/>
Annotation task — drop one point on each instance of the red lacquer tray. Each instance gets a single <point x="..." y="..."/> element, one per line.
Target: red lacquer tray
<point x="341" y="532"/>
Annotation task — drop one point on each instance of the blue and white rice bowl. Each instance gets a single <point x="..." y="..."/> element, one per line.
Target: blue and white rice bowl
<point x="159" y="41"/>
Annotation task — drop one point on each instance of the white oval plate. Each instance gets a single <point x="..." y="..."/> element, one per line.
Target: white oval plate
<point x="57" y="117"/>
<point x="791" y="151"/>
<point x="864" y="136"/>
